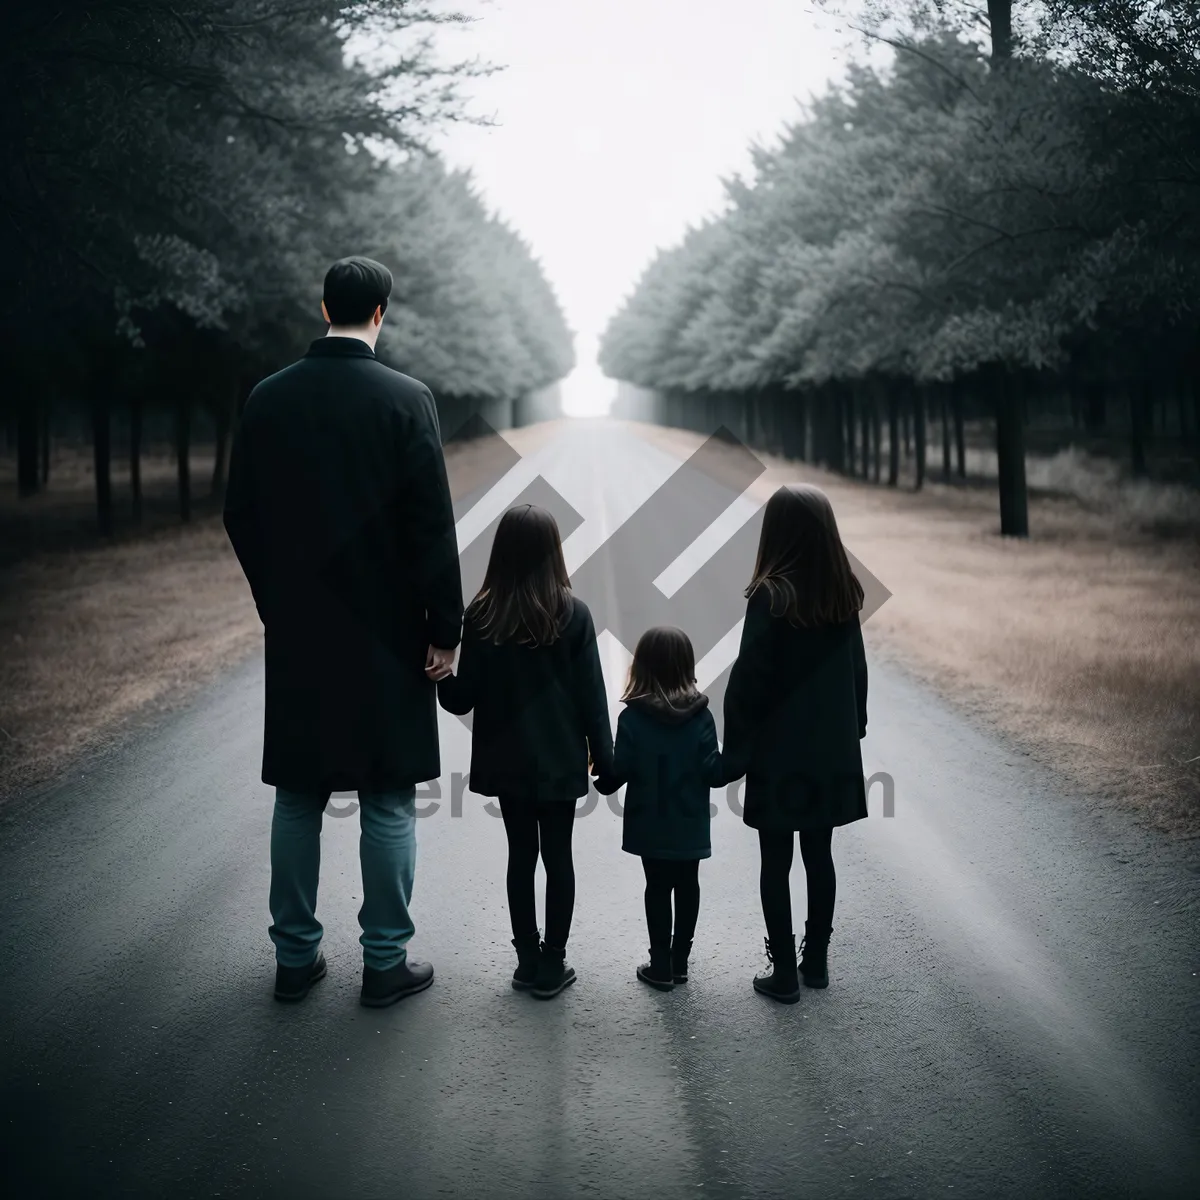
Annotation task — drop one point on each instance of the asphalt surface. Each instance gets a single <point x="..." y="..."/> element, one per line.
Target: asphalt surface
<point x="1012" y="1010"/>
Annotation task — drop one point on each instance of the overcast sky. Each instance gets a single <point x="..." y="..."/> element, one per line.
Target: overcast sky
<point x="617" y="120"/>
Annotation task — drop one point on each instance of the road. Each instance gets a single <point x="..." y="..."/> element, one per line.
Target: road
<point x="1012" y="1008"/>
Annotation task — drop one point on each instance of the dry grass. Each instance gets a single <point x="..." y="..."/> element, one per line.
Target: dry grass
<point x="93" y="634"/>
<point x="1082" y="643"/>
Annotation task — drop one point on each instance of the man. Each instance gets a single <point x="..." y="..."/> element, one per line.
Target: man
<point x="339" y="511"/>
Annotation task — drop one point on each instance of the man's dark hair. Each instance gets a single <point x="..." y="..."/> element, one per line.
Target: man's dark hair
<point x="354" y="289"/>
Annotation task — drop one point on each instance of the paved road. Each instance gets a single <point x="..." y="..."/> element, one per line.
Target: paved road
<point x="1012" y="1012"/>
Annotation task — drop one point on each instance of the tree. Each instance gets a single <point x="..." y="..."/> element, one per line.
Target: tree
<point x="964" y="216"/>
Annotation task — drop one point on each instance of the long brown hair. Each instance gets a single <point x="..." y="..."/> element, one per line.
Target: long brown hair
<point x="664" y="666"/>
<point x="802" y="563"/>
<point x="526" y="593"/>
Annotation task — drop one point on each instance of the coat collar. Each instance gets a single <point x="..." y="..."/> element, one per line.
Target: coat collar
<point x="339" y="347"/>
<point x="669" y="714"/>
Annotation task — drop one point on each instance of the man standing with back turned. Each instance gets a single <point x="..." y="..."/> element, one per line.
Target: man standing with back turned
<point x="339" y="511"/>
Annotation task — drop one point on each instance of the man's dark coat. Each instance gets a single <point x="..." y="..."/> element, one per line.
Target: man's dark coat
<point x="795" y="710"/>
<point x="339" y="510"/>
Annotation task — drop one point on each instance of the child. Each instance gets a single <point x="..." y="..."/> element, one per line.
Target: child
<point x="795" y="709"/>
<point x="667" y="752"/>
<point x="530" y="670"/>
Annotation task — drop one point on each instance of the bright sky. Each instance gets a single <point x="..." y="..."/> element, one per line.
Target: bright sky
<point x="617" y="120"/>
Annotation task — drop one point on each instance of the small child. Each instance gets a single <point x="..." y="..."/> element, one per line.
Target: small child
<point x="530" y="669"/>
<point x="666" y="751"/>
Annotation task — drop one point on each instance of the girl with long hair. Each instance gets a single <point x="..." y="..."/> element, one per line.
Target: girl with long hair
<point x="795" y="711"/>
<point x="529" y="669"/>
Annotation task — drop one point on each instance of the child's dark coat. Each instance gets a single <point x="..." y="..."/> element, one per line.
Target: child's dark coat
<point x="795" y="709"/>
<point x="537" y="711"/>
<point x="669" y="758"/>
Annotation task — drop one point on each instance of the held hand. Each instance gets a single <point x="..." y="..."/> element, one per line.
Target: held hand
<point x="438" y="663"/>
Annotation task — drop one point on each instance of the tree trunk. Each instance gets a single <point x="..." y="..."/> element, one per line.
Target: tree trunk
<point x="45" y="443"/>
<point x="102" y="449"/>
<point x="183" y="439"/>
<point x="818" y="420"/>
<point x="135" y="453"/>
<point x="224" y="422"/>
<point x="893" y="400"/>
<point x="1193" y="388"/>
<point x="835" y="429"/>
<point x="918" y="403"/>
<point x="960" y="439"/>
<point x="789" y="424"/>
<point x="1010" y="456"/>
<point x="29" y="423"/>
<point x="1141" y="400"/>
<point x="1000" y="23"/>
<point x="1095" y="414"/>
<point x="877" y="433"/>
<point x="846" y="393"/>
<point x="865" y="407"/>
<point x="942" y="390"/>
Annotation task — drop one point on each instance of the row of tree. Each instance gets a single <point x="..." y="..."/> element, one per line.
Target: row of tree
<point x="979" y="228"/>
<point x="177" y="176"/>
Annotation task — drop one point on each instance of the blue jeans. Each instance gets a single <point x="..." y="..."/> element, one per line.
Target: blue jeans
<point x="388" y="853"/>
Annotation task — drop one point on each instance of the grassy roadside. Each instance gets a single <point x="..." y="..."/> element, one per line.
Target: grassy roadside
<point x="1082" y="643"/>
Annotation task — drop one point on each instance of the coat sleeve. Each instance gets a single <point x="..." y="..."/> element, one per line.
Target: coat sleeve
<point x="712" y="767"/>
<point x="429" y="517"/>
<point x="457" y="692"/>
<point x="750" y="689"/>
<point x="624" y="754"/>
<point x="241" y="519"/>
<point x="593" y="700"/>
<point x="860" y="678"/>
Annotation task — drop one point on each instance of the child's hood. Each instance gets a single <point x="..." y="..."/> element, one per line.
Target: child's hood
<point x="668" y="714"/>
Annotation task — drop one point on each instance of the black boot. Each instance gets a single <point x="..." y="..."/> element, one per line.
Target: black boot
<point x="292" y="983"/>
<point x="528" y="955"/>
<point x="657" y="972"/>
<point x="381" y="988"/>
<point x="814" y="959"/>
<point x="679" y="960"/>
<point x="782" y="983"/>
<point x="553" y="974"/>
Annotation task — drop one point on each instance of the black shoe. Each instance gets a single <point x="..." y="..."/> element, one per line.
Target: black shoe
<point x="657" y="972"/>
<point x="528" y="957"/>
<point x="292" y="983"/>
<point x="679" y="960"/>
<point x="782" y="983"/>
<point x="553" y="974"/>
<point x="814" y="959"/>
<point x="381" y="988"/>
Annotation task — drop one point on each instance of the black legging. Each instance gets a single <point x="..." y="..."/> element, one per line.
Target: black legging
<point x="817" y="852"/>
<point x="544" y="826"/>
<point x="664" y="876"/>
